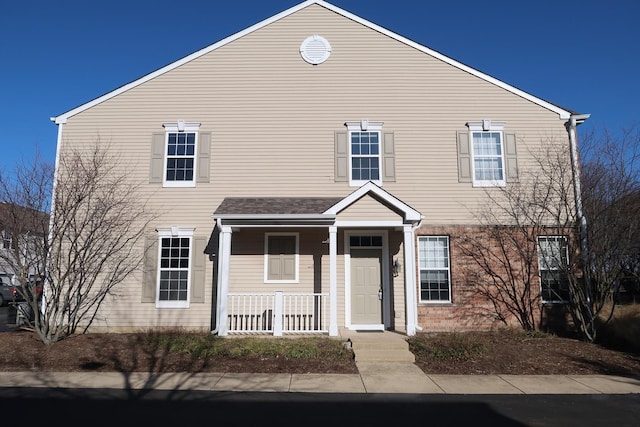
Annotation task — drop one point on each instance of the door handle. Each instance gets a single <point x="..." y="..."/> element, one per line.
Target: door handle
<point x="380" y="294"/>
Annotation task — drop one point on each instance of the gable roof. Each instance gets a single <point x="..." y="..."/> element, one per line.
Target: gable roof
<point x="18" y="219"/>
<point x="563" y="113"/>
<point x="286" y="210"/>
<point x="409" y="214"/>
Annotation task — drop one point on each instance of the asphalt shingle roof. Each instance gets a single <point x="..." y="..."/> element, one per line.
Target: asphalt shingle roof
<point x="275" y="205"/>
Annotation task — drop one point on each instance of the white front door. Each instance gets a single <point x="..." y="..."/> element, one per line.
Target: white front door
<point x="366" y="288"/>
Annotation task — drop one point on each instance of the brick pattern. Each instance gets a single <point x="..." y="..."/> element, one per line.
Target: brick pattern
<point x="469" y="310"/>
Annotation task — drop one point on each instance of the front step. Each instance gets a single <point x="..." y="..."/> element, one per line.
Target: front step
<point x="383" y="355"/>
<point x="380" y="347"/>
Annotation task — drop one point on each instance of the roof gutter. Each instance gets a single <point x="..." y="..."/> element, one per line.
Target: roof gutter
<point x="286" y="220"/>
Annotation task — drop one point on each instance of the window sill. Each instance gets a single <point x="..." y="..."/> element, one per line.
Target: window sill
<point x="559" y="302"/>
<point x="361" y="183"/>
<point x="486" y="184"/>
<point x="436" y="304"/>
<point x="172" y="304"/>
<point x="178" y="184"/>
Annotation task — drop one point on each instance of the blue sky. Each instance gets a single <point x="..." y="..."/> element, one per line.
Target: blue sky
<point x="583" y="55"/>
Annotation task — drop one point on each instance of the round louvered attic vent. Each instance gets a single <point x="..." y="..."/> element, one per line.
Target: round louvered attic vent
<point x="315" y="49"/>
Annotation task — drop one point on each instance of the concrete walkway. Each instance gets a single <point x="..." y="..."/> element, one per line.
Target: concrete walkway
<point x="384" y="364"/>
<point x="373" y="378"/>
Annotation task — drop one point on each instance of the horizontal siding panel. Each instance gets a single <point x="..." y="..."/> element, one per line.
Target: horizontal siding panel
<point x="272" y="119"/>
<point x="368" y="209"/>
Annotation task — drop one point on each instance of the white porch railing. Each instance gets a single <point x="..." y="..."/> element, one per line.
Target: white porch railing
<point x="278" y="313"/>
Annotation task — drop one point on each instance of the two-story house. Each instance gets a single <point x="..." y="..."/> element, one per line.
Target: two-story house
<point x="22" y="230"/>
<point x="311" y="173"/>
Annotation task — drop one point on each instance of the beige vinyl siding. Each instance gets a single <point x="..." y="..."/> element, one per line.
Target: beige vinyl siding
<point x="246" y="269"/>
<point x="122" y="310"/>
<point x="368" y="209"/>
<point x="246" y="100"/>
<point x="273" y="117"/>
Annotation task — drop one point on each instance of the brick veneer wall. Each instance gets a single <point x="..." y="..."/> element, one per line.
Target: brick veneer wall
<point x="469" y="310"/>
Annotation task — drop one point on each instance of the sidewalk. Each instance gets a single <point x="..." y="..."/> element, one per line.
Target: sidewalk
<point x="373" y="378"/>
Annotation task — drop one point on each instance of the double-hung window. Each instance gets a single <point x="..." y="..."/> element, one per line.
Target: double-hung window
<point x="552" y="259"/>
<point x="174" y="275"/>
<point x="180" y="154"/>
<point x="365" y="142"/>
<point x="435" y="274"/>
<point x="487" y="153"/>
<point x="281" y="258"/>
<point x="7" y="241"/>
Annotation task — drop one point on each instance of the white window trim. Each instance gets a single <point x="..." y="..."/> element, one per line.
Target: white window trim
<point x="7" y="240"/>
<point x="180" y="127"/>
<point x="440" y="301"/>
<point x="547" y="237"/>
<point x="365" y="125"/>
<point x="266" y="258"/>
<point x="174" y="232"/>
<point x="487" y="126"/>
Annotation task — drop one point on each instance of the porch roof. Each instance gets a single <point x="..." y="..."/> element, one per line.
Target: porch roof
<point x="253" y="206"/>
<point x="311" y="211"/>
<point x="276" y="211"/>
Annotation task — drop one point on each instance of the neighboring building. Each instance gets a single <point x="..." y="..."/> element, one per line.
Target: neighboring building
<point x="313" y="172"/>
<point x="21" y="229"/>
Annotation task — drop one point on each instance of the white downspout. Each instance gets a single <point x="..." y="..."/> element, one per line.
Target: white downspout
<point x="52" y="209"/>
<point x="574" y="121"/>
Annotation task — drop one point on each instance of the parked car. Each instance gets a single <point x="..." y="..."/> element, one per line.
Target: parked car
<point x="32" y="288"/>
<point x="8" y="294"/>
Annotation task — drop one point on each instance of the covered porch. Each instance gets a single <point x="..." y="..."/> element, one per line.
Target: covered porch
<point x="314" y="265"/>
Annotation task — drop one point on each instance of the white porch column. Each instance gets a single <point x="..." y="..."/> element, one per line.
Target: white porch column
<point x="410" y="279"/>
<point x="224" y="258"/>
<point x="333" y="281"/>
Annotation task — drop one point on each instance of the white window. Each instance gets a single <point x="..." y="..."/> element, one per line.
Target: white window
<point x="174" y="271"/>
<point x="435" y="275"/>
<point x="7" y="241"/>
<point x="487" y="153"/>
<point x="281" y="258"/>
<point x="365" y="161"/>
<point x="180" y="154"/>
<point x="552" y="261"/>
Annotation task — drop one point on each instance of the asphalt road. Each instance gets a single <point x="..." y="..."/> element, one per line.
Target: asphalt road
<point x="104" y="407"/>
<point x="95" y="407"/>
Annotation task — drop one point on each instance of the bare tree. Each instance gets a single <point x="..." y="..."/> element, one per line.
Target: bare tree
<point x="25" y="197"/>
<point x="611" y="198"/>
<point x="588" y="266"/>
<point x="505" y="267"/>
<point x="92" y="242"/>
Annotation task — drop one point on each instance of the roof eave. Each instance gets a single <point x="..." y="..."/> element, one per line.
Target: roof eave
<point x="274" y="219"/>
